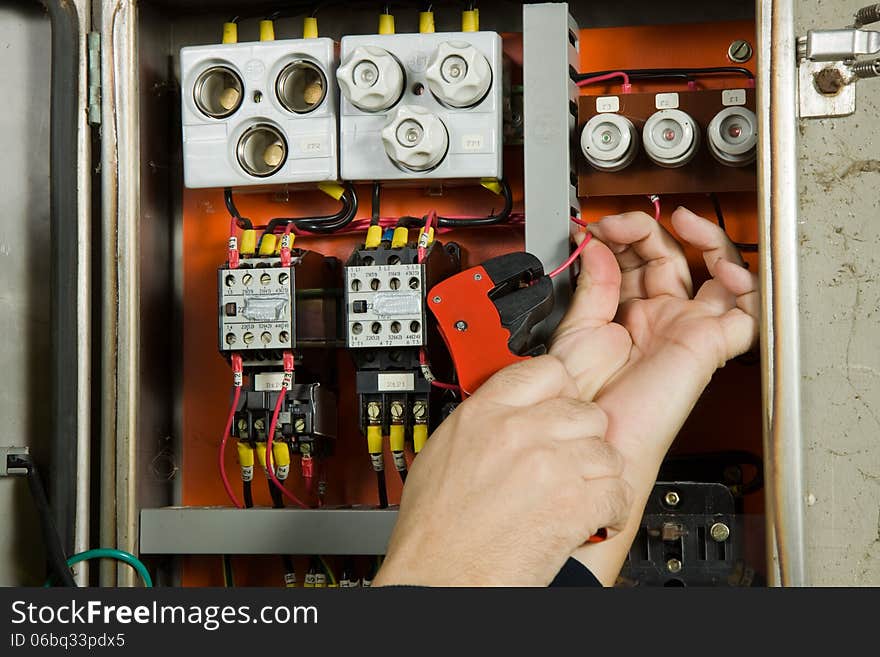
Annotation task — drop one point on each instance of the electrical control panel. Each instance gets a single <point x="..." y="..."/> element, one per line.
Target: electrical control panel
<point x="667" y="143"/>
<point x="421" y="106"/>
<point x="382" y="167"/>
<point x="259" y="113"/>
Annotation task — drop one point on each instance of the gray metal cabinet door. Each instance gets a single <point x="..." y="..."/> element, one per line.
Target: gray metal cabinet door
<point x="821" y="300"/>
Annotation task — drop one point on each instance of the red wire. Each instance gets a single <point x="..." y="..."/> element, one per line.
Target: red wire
<point x="270" y="471"/>
<point x="608" y="76"/>
<point x="221" y="461"/>
<point x="579" y="222"/>
<point x="574" y="256"/>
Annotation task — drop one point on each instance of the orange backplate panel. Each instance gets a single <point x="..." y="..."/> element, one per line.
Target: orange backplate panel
<point x="727" y="417"/>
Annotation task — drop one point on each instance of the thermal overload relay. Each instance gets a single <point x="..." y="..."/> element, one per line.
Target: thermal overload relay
<point x="265" y="308"/>
<point x="417" y="106"/>
<point x="307" y="419"/>
<point x="259" y="113"/>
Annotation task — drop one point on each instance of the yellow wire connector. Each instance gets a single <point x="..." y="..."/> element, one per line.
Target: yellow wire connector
<point x="426" y="240"/>
<point x="400" y="237"/>
<point x="470" y="21"/>
<point x="426" y="22"/>
<point x="492" y="184"/>
<point x="281" y="459"/>
<point x="374" y="237"/>
<point x="230" y="32"/>
<point x="420" y="437"/>
<point x="267" y="244"/>
<point x="267" y="31"/>
<point x="374" y="447"/>
<point x="246" y="461"/>
<point x="248" y="242"/>
<point x="386" y="24"/>
<point x="397" y="441"/>
<point x="332" y="189"/>
<point x="261" y="455"/>
<point x="310" y="27"/>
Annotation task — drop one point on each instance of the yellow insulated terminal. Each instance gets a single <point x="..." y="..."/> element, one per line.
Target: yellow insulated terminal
<point x="374" y="237"/>
<point x="230" y="33"/>
<point x="430" y="236"/>
<point x="426" y="22"/>
<point x="248" y="245"/>
<point x="420" y="437"/>
<point x="267" y="31"/>
<point x="261" y="455"/>
<point x="267" y="244"/>
<point x="310" y="27"/>
<point x="470" y="21"/>
<point x="492" y="184"/>
<point x="400" y="237"/>
<point x="386" y="24"/>
<point x="245" y="455"/>
<point x="280" y="454"/>
<point x="374" y="439"/>
<point x="332" y="189"/>
<point x="397" y="437"/>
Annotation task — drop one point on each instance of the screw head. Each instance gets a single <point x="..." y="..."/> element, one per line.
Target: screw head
<point x="300" y="425"/>
<point x="461" y="325"/>
<point x="365" y="74"/>
<point x="420" y="410"/>
<point x="436" y="299"/>
<point x="673" y="565"/>
<point x="396" y="410"/>
<point x="453" y="68"/>
<point x="672" y="498"/>
<point x="259" y="425"/>
<point x="246" y="279"/>
<point x="740" y="51"/>
<point x="719" y="532"/>
<point x="409" y="133"/>
<point x="478" y="277"/>
<point x="373" y="410"/>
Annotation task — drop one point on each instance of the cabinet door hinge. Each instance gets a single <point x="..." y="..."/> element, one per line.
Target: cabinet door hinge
<point x="94" y="46"/>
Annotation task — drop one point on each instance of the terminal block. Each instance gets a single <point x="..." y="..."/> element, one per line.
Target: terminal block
<point x="421" y="106"/>
<point x="259" y="113"/>
<point x="265" y="308"/>
<point x="307" y="421"/>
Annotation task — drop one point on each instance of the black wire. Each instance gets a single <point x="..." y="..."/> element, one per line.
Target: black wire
<point x="287" y="563"/>
<point x="449" y="222"/>
<point x="54" y="551"/>
<point x="402" y="474"/>
<point x="241" y="222"/>
<point x="383" y="490"/>
<point x="247" y="491"/>
<point x="719" y="215"/>
<point x="674" y="72"/>
<point x="325" y="224"/>
<point x="275" y="494"/>
<point x="376" y="205"/>
<point x="227" y="571"/>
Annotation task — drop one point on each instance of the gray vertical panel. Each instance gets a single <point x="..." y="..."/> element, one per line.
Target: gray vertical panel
<point x="548" y="92"/>
<point x="24" y="275"/>
<point x="839" y="296"/>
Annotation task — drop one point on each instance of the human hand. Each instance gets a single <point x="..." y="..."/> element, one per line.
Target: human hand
<point x="508" y="486"/>
<point x="677" y="339"/>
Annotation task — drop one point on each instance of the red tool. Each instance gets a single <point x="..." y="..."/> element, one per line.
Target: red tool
<point x="486" y="315"/>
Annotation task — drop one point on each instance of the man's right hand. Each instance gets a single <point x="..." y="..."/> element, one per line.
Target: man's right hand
<point x="508" y="486"/>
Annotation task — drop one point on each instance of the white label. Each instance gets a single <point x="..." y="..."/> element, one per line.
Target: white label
<point x="313" y="146"/>
<point x="607" y="104"/>
<point x="666" y="101"/>
<point x="399" y="381"/>
<point x="733" y="97"/>
<point x="472" y="143"/>
<point x="268" y="381"/>
<point x="247" y="473"/>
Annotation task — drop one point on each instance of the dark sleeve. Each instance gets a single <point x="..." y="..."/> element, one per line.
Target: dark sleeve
<point x="574" y="573"/>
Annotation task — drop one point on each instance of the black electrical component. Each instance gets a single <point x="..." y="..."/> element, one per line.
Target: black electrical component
<point x="689" y="536"/>
<point x="307" y="421"/>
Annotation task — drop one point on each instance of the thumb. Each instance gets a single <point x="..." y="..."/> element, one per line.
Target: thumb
<point x="528" y="382"/>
